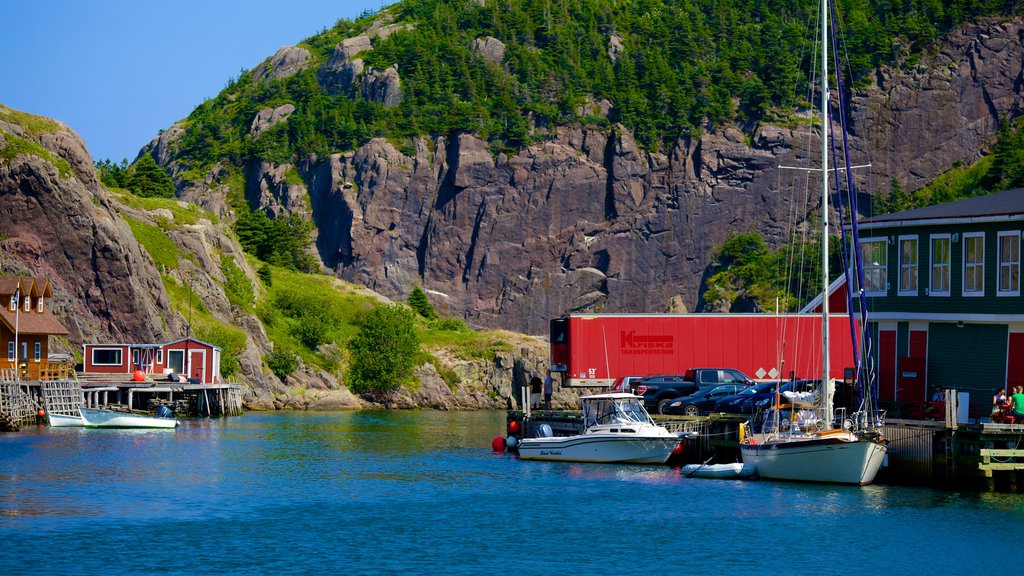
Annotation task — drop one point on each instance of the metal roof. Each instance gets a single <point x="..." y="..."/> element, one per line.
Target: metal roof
<point x="1005" y="204"/>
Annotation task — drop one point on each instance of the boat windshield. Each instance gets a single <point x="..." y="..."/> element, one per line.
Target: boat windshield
<point x="614" y="411"/>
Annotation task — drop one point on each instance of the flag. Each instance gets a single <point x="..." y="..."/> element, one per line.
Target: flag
<point x="16" y="297"/>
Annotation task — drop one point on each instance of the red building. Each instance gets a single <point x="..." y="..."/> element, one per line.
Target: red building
<point x="199" y="360"/>
<point x="26" y="325"/>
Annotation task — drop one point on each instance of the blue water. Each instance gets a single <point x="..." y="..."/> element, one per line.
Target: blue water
<point x="421" y="493"/>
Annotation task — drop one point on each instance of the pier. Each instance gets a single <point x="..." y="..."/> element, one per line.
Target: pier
<point x="61" y="392"/>
<point x="941" y="454"/>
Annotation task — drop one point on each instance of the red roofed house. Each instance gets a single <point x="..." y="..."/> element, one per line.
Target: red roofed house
<point x="26" y="325"/>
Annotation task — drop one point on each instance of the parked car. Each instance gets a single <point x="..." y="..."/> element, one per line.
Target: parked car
<point x="710" y="376"/>
<point x="765" y="399"/>
<point x="624" y="383"/>
<point x="731" y="404"/>
<point x="702" y="401"/>
<point x="658" y="389"/>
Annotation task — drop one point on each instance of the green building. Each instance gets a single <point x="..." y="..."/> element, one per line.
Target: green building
<point x="944" y="299"/>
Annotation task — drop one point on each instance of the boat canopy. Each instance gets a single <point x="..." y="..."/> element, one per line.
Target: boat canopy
<point x="613" y="409"/>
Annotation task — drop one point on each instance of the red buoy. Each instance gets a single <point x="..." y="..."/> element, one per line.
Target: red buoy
<point x="139" y="376"/>
<point x="513" y="427"/>
<point x="498" y="445"/>
<point x="42" y="413"/>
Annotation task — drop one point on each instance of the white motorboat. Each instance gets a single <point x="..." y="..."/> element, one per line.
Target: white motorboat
<point x="812" y="450"/>
<point x="616" y="429"/>
<point x="64" y="420"/>
<point x="97" y="418"/>
<point x="733" y="471"/>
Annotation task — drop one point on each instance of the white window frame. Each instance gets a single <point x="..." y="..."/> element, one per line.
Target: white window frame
<point x="160" y="356"/>
<point x="1015" y="265"/>
<point x="24" y="350"/>
<point x="171" y="353"/>
<point x="931" y="264"/>
<point x="120" y="356"/>
<point x="39" y="305"/>
<point x="978" y="266"/>
<point x="135" y="356"/>
<point x="38" y="351"/>
<point x="903" y="291"/>
<point x="28" y="303"/>
<point x="14" y="304"/>
<point x="883" y="287"/>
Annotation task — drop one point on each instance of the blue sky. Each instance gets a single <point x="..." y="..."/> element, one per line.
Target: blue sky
<point x="119" y="71"/>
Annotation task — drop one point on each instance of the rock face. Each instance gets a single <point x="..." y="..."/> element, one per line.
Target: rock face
<point x="268" y="117"/>
<point x="63" y="227"/>
<point x="286" y="62"/>
<point x="588" y="220"/>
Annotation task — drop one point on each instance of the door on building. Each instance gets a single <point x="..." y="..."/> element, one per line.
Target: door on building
<point x="910" y="392"/>
<point x="197" y="364"/>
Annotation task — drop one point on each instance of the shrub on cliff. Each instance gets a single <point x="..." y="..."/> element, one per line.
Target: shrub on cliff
<point x="383" y="352"/>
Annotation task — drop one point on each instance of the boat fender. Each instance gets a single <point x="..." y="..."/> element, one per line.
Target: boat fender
<point x="498" y="445"/>
<point x="511" y="442"/>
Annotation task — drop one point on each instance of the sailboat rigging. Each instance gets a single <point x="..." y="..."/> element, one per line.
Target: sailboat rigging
<point x="814" y="450"/>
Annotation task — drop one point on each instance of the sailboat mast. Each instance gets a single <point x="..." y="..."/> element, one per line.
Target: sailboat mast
<point x="825" y="387"/>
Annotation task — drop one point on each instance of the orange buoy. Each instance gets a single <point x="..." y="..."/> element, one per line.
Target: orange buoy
<point x="139" y="376"/>
<point x="42" y="413"/>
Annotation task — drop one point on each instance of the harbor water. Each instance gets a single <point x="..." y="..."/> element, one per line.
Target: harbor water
<point x="420" y="492"/>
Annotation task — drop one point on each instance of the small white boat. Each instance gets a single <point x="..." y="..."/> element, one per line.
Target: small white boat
<point x="734" y="471"/>
<point x="617" y="429"/>
<point x="97" y="418"/>
<point x="64" y="421"/>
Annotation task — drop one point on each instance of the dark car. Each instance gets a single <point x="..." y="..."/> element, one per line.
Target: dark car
<point x="731" y="404"/>
<point x="700" y="402"/>
<point x="765" y="399"/>
<point x="658" y="389"/>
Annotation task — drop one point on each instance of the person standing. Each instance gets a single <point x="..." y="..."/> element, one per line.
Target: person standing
<point x="549" y="384"/>
<point x="535" y="384"/>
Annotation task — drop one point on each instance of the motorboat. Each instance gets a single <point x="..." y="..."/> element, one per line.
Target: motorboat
<point x="733" y="471"/>
<point x="616" y="429"/>
<point x="98" y="418"/>
<point x="64" y="420"/>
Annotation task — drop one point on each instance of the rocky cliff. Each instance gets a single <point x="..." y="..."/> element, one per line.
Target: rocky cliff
<point x="589" y="220"/>
<point x="58" y="222"/>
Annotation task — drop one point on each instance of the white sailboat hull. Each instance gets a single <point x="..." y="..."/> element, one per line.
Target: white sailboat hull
<point x="815" y="460"/>
<point x="96" y="418"/>
<point x="607" y="448"/>
<point x="64" y="421"/>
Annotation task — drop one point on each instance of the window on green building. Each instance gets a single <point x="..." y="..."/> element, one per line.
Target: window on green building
<point x="974" y="264"/>
<point x="873" y="253"/>
<point x="908" y="265"/>
<point x="940" y="265"/>
<point x="1009" y="263"/>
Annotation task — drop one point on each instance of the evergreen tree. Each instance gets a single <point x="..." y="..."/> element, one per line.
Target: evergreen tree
<point x="146" y="178"/>
<point x="419" y="302"/>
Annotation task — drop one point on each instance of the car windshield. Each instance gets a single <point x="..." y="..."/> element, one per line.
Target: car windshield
<point x="613" y="411"/>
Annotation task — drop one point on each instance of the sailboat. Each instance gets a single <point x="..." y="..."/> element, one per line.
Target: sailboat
<point x="811" y="449"/>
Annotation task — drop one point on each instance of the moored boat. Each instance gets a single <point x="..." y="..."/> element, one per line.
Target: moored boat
<point x="812" y="450"/>
<point x="617" y="429"/>
<point x="64" y="420"/>
<point x="97" y="418"/>
<point x="733" y="471"/>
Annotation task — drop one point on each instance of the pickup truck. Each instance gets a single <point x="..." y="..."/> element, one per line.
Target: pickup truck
<point x="660" y="389"/>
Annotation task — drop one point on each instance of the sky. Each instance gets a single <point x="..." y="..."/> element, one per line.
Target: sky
<point x="117" y="72"/>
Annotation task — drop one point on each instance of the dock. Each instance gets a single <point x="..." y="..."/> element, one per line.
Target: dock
<point x="981" y="456"/>
<point x="23" y="401"/>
